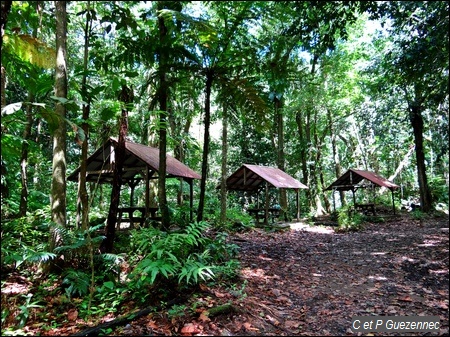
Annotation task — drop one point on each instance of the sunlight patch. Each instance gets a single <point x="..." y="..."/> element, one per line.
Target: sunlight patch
<point x="14" y="288"/>
<point x="301" y="226"/>
<point x="378" y="278"/>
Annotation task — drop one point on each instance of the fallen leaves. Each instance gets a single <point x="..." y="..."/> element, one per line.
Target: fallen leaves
<point x="302" y="282"/>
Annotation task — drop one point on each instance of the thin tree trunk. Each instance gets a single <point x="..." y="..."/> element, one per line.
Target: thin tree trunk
<point x="83" y="196"/>
<point x="280" y="154"/>
<point x="315" y="168"/>
<point x="417" y="124"/>
<point x="108" y="243"/>
<point x="162" y="121"/>
<point x="223" y="189"/>
<point x="201" y="204"/>
<point x="336" y="158"/>
<point x="400" y="167"/>
<point x="58" y="189"/>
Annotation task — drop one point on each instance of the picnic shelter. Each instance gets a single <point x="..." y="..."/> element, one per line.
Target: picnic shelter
<point x="141" y="164"/>
<point x="353" y="180"/>
<point x="255" y="178"/>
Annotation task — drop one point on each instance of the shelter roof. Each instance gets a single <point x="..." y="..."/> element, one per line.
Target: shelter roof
<point x="251" y="177"/>
<point x="138" y="157"/>
<point x="352" y="178"/>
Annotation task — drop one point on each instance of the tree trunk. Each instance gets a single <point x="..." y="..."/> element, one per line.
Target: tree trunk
<point x="302" y="150"/>
<point x="399" y="168"/>
<point x="162" y="121"/>
<point x="83" y="196"/>
<point x="58" y="189"/>
<point x="201" y="204"/>
<point x="416" y="119"/>
<point x="278" y="104"/>
<point x="108" y="243"/>
<point x="223" y="188"/>
<point x="315" y="167"/>
<point x="336" y="158"/>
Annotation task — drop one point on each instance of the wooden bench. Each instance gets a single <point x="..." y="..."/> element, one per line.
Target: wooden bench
<point x="259" y="214"/>
<point x="127" y="215"/>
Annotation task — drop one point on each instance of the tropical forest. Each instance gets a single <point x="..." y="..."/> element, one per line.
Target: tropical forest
<point x="224" y="168"/>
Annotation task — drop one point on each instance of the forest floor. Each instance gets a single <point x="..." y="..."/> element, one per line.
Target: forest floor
<point x="309" y="280"/>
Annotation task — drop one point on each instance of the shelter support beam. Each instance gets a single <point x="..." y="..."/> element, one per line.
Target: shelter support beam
<point x="393" y="202"/>
<point x="147" y="191"/>
<point x="266" y="205"/>
<point x="191" y="199"/>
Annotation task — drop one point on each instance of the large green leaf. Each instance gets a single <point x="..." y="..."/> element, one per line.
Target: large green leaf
<point x="30" y="49"/>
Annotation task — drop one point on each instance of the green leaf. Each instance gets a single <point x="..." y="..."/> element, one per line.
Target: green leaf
<point x="109" y="285"/>
<point x="62" y="100"/>
<point x="108" y="114"/>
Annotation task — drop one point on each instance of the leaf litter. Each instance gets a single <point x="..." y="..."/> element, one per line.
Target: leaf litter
<point x="303" y="281"/>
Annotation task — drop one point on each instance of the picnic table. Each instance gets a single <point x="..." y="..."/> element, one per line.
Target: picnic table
<point x="128" y="214"/>
<point x="365" y="208"/>
<point x="260" y="213"/>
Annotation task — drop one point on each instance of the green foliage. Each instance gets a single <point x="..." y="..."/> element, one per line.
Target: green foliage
<point x="194" y="268"/>
<point x="349" y="220"/>
<point x="417" y="214"/>
<point x="176" y="311"/>
<point x="75" y="240"/>
<point x="186" y="258"/>
<point x="237" y="220"/>
<point x="107" y="298"/>
<point x="77" y="281"/>
<point x="30" y="49"/>
<point x="24" y="241"/>
<point x="439" y="189"/>
<point x="24" y="312"/>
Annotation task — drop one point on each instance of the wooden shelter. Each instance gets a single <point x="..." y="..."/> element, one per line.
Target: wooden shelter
<point x="254" y="178"/>
<point x="352" y="180"/>
<point x="141" y="164"/>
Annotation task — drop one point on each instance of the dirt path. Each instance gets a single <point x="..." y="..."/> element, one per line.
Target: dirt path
<point x="304" y="282"/>
<point x="308" y="280"/>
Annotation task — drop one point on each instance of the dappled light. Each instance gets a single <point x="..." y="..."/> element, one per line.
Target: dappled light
<point x="223" y="168"/>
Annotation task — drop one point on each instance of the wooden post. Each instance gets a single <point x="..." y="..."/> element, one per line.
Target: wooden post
<point x="298" y="203"/>
<point x="266" y="205"/>
<point x="147" y="191"/>
<point x="191" y="198"/>
<point x="334" y="200"/>
<point x="393" y="202"/>
<point x="354" y="198"/>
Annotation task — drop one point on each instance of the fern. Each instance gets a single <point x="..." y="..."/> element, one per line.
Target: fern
<point x="194" y="269"/>
<point x="78" y="282"/>
<point x="73" y="240"/>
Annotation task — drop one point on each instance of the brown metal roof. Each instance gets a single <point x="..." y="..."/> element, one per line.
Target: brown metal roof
<point x="251" y="177"/>
<point x="137" y="158"/>
<point x="350" y="179"/>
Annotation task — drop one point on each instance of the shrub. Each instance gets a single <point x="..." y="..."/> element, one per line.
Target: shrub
<point x="184" y="258"/>
<point x="348" y="220"/>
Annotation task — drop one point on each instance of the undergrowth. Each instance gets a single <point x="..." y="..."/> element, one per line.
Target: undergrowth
<point x="148" y="264"/>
